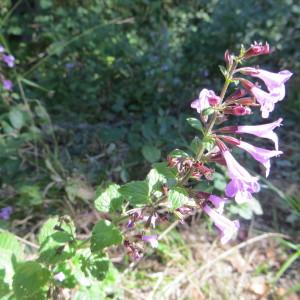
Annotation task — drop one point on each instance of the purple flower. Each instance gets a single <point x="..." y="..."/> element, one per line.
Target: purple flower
<point x="263" y="131"/>
<point x="241" y="191"/>
<point x="235" y="170"/>
<point x="206" y="99"/>
<point x="218" y="202"/>
<point x="6" y="212"/>
<point x="1" y="49"/>
<point x="274" y="81"/>
<point x="261" y="155"/>
<point x="227" y="227"/>
<point x="266" y="100"/>
<point x="242" y="184"/>
<point x="7" y="84"/>
<point x="151" y="239"/>
<point x="9" y="60"/>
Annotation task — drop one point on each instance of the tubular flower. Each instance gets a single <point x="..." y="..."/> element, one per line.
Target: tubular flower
<point x="274" y="81"/>
<point x="206" y="99"/>
<point x="241" y="191"/>
<point x="227" y="227"/>
<point x="261" y="155"/>
<point x="263" y="131"/>
<point x="266" y="100"/>
<point x="218" y="203"/>
<point x="242" y="184"/>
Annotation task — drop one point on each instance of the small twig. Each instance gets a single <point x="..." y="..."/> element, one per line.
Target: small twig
<point x="171" y="227"/>
<point x="23" y="240"/>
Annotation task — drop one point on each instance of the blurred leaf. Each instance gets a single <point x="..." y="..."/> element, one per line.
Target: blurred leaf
<point x="196" y="145"/>
<point x="151" y="153"/>
<point x="16" y="118"/>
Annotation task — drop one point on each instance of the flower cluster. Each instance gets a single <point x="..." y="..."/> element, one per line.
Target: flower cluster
<point x="8" y="61"/>
<point x="177" y="195"/>
<point x="246" y="97"/>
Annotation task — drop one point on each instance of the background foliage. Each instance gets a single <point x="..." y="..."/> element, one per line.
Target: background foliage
<point x="102" y="89"/>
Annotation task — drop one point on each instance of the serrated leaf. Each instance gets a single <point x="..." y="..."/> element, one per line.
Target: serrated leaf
<point x="97" y="266"/>
<point x="164" y="170"/>
<point x="195" y="123"/>
<point x="29" y="280"/>
<point x="151" y="153"/>
<point x="177" y="197"/>
<point x="110" y="199"/>
<point x="136" y="192"/>
<point x="105" y="234"/>
<point x="155" y="180"/>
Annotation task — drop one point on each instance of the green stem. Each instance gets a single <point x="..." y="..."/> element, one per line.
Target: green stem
<point x="211" y="124"/>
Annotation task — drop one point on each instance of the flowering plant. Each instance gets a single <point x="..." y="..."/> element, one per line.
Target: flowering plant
<point x="130" y="213"/>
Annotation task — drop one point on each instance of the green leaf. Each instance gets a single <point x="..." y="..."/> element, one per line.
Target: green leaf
<point x="151" y="153"/>
<point x="110" y="199"/>
<point x="208" y="111"/>
<point x="178" y="153"/>
<point x="4" y="287"/>
<point x="16" y="118"/>
<point x="29" y="281"/>
<point x="223" y="70"/>
<point x="56" y="238"/>
<point x="11" y="252"/>
<point x="195" y="123"/>
<point x="255" y="206"/>
<point x="177" y="197"/>
<point x="163" y="169"/>
<point x="137" y="192"/>
<point x="196" y="145"/>
<point x="208" y="143"/>
<point x="104" y="235"/>
<point x="219" y="181"/>
<point x="97" y="266"/>
<point x="31" y="194"/>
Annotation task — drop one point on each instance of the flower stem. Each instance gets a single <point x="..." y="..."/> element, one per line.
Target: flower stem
<point x="212" y="122"/>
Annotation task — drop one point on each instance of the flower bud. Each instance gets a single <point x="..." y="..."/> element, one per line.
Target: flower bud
<point x="257" y="49"/>
<point x="248" y="101"/>
<point x="237" y="94"/>
<point x="237" y="110"/>
<point x="231" y="140"/>
<point x="228" y="58"/>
